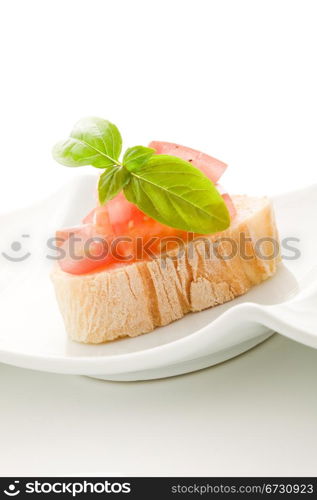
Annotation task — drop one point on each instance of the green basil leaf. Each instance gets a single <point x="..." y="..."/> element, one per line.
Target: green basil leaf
<point x="111" y="182"/>
<point x="175" y="193"/>
<point x="93" y="141"/>
<point x="136" y="157"/>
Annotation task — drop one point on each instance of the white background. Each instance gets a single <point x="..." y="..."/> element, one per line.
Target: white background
<point x="236" y="79"/>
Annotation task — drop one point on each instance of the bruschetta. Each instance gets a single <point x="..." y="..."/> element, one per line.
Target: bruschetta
<point x="164" y="240"/>
<point x="135" y="298"/>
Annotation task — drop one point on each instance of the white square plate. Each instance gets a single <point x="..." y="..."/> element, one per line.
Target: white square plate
<point x="32" y="333"/>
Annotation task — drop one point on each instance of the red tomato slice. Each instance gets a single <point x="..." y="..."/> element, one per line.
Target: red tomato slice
<point x="128" y="221"/>
<point x="62" y="235"/>
<point x="123" y="215"/>
<point x="210" y="166"/>
<point x="84" y="250"/>
<point x="119" y="218"/>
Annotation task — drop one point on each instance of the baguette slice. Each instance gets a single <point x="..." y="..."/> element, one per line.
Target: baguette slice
<point x="136" y="298"/>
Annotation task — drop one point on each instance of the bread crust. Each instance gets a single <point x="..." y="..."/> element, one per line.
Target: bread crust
<point x="139" y="297"/>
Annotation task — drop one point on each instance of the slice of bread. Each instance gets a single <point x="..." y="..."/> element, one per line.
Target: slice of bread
<point x="136" y="298"/>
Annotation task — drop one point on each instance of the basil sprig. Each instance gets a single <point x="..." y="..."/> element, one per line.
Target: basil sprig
<point x="166" y="188"/>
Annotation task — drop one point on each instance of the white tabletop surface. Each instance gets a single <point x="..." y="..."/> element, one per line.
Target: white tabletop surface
<point x="253" y="415"/>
